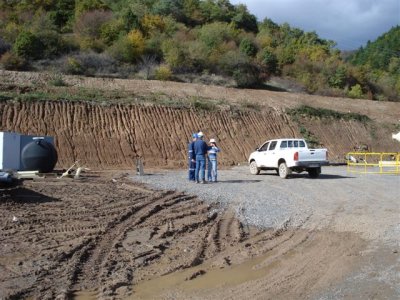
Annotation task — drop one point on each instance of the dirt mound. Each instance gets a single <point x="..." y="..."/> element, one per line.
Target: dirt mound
<point x="104" y="234"/>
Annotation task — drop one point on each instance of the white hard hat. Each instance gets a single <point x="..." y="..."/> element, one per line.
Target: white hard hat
<point x="200" y="134"/>
<point x="213" y="141"/>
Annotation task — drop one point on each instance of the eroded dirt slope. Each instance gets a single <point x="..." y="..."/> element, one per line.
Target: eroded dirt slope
<point x="106" y="135"/>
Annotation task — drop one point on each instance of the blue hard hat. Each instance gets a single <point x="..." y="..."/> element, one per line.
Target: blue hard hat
<point x="194" y="135"/>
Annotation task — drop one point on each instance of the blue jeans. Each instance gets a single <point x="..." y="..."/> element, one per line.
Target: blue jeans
<point x="212" y="169"/>
<point x="200" y="173"/>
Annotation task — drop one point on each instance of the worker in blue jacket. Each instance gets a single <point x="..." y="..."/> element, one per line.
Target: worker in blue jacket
<point x="200" y="151"/>
<point x="192" y="158"/>
<point x="212" y="161"/>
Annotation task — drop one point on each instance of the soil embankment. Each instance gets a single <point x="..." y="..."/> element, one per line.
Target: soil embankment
<point x="107" y="135"/>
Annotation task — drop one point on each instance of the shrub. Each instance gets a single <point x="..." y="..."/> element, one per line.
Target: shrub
<point x="246" y="75"/>
<point x="89" y="24"/>
<point x="83" y="6"/>
<point x="52" y="42"/>
<point x="88" y="29"/>
<point x="248" y="47"/>
<point x="151" y="24"/>
<point x="230" y="60"/>
<point x="10" y="32"/>
<point x="128" y="48"/>
<point x="136" y="43"/>
<point x="173" y="54"/>
<point x="11" y="61"/>
<point x="58" y="80"/>
<point x="269" y="60"/>
<point x="4" y="47"/>
<point x="214" y="34"/>
<point x="91" y="64"/>
<point x="355" y="91"/>
<point x="73" y="66"/>
<point x="110" y="31"/>
<point x="28" y="46"/>
<point x="163" y="72"/>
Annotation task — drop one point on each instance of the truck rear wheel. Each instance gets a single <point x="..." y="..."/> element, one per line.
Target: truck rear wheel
<point x="314" y="172"/>
<point x="284" y="171"/>
<point x="254" y="170"/>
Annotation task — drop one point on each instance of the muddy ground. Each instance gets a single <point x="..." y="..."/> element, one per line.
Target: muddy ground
<point x="106" y="237"/>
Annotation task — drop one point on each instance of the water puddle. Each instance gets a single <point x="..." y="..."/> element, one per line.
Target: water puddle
<point x="206" y="280"/>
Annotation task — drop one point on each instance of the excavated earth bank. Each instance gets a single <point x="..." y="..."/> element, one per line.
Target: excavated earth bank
<point x="109" y="135"/>
<point x="109" y="238"/>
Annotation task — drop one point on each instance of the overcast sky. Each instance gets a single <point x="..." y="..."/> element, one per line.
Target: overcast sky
<point x="350" y="23"/>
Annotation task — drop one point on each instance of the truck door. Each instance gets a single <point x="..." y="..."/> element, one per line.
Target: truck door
<point x="262" y="151"/>
<point x="271" y="155"/>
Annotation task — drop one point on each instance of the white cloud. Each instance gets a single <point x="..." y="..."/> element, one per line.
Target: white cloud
<point x="350" y="23"/>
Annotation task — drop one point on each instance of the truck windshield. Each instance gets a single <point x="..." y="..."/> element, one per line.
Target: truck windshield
<point x="264" y="147"/>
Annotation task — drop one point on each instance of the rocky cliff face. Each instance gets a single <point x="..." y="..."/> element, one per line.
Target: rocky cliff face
<point x="113" y="136"/>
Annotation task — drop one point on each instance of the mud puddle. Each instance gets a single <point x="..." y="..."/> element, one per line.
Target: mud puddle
<point x="197" y="281"/>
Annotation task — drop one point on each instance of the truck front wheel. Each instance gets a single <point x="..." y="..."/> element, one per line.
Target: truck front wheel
<point x="254" y="170"/>
<point x="284" y="171"/>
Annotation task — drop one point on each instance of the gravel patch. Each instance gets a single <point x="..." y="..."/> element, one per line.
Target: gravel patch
<point x="337" y="200"/>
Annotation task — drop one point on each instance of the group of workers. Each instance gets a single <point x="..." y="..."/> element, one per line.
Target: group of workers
<point x="199" y="153"/>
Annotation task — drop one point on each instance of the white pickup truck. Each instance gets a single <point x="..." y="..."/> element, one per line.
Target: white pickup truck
<point x="287" y="155"/>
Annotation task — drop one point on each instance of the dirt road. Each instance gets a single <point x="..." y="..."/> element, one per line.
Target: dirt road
<point x="107" y="237"/>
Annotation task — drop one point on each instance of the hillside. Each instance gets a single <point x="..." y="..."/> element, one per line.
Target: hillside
<point x="156" y="122"/>
<point x="182" y="39"/>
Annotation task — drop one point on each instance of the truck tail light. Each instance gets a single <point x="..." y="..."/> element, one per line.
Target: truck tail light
<point x="296" y="156"/>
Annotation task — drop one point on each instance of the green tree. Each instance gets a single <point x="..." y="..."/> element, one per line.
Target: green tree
<point x="244" y="20"/>
<point x="248" y="47"/>
<point x="214" y="34"/>
<point x="28" y="46"/>
<point x="269" y="60"/>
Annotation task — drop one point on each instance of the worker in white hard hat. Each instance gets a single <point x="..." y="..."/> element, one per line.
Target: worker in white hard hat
<point x="200" y="148"/>
<point x="192" y="158"/>
<point x="212" y="168"/>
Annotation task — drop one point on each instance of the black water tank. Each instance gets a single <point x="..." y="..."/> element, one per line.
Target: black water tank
<point x="39" y="155"/>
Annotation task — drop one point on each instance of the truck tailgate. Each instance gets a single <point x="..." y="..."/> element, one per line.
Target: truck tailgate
<point x="313" y="155"/>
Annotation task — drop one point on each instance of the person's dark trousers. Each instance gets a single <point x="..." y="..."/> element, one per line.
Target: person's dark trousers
<point x="192" y="169"/>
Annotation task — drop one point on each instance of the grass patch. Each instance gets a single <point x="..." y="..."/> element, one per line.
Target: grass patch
<point x="58" y="80"/>
<point x="323" y="113"/>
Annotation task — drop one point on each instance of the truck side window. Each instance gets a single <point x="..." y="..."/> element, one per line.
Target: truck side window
<point x="273" y="145"/>
<point x="302" y="144"/>
<point x="284" y="144"/>
<point x="290" y="144"/>
<point x="296" y="144"/>
<point x="264" y="147"/>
